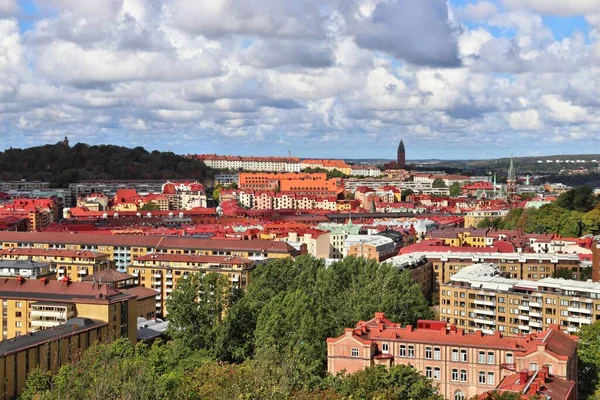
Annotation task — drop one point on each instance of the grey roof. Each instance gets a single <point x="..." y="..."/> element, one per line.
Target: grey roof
<point x="69" y="328"/>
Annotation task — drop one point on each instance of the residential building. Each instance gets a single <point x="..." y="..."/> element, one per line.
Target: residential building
<point x="479" y="297"/>
<point x="374" y="247"/>
<point x="161" y="272"/>
<point x="76" y="264"/>
<point x="365" y="170"/>
<point x="420" y="270"/>
<point x="185" y="195"/>
<point x="461" y="364"/>
<point x="32" y="305"/>
<point x="473" y="218"/>
<point x="122" y="249"/>
<point x="248" y="163"/>
<point x="28" y="269"/>
<point x="110" y="187"/>
<point x="329" y="165"/>
<point x="47" y="350"/>
<point x="226" y="179"/>
<point x="337" y="236"/>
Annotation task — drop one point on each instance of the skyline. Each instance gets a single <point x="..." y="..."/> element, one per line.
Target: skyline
<point x="331" y="79"/>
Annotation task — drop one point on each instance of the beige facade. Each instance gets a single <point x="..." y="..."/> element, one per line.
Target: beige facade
<point x="478" y="298"/>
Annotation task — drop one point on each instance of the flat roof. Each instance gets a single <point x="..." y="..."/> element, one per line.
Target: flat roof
<point x="70" y="328"/>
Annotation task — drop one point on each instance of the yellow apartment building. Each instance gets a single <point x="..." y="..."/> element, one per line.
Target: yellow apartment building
<point x="123" y="249"/>
<point x="48" y="350"/>
<point x="479" y="298"/>
<point x="160" y="272"/>
<point x="34" y="305"/>
<point x="76" y="264"/>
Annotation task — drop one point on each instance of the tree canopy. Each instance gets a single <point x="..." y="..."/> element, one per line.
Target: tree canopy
<point x="61" y="165"/>
<point x="439" y="183"/>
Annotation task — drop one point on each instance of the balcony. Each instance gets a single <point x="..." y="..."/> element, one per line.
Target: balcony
<point x="524" y="327"/>
<point x="82" y="272"/>
<point x="524" y="308"/>
<point x="535" y="324"/>
<point x="485" y="303"/>
<point x="136" y="273"/>
<point x="51" y="314"/>
<point x="484" y="321"/>
<point x="535" y="314"/>
<point x="534" y="304"/>
<point x="523" y="317"/>
<point x="45" y="323"/>
<point x="485" y="312"/>
<point x="572" y="328"/>
<point x="158" y="275"/>
<point x="168" y="290"/>
<point x="579" y="320"/>
<point x="169" y="275"/>
<point x="169" y="283"/>
<point x="580" y="310"/>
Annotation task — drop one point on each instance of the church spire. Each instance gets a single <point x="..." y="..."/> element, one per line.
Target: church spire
<point x="511" y="171"/>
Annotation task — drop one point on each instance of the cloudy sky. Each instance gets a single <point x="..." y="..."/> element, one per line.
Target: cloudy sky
<point x="319" y="78"/>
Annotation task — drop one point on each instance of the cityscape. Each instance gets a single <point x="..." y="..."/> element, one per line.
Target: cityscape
<point x="320" y="200"/>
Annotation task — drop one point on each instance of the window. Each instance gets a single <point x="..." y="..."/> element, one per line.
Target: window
<point x="18" y="304"/>
<point x="385" y="348"/>
<point x="459" y="395"/>
<point x="533" y="367"/>
<point x="411" y="351"/>
<point x="455" y="375"/>
<point x="491" y="379"/>
<point x="18" y="324"/>
<point x="481" y="377"/>
<point x="437" y="353"/>
<point x="509" y="358"/>
<point x="463" y="375"/>
<point x="463" y="355"/>
<point x="428" y="372"/>
<point x="454" y="354"/>
<point x="481" y="357"/>
<point x="354" y="352"/>
<point x="428" y="353"/>
<point x="402" y="350"/>
<point x="549" y="366"/>
<point x="436" y="373"/>
<point x="491" y="357"/>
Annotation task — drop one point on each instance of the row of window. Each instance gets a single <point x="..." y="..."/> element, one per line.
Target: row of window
<point x="456" y="376"/>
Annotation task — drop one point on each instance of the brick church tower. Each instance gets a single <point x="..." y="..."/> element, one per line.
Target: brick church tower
<point x="401" y="160"/>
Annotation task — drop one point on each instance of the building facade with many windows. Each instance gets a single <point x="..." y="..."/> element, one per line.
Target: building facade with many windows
<point x="479" y="298"/>
<point x="461" y="364"/>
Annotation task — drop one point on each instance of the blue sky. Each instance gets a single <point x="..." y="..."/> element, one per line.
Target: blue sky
<point x="472" y="79"/>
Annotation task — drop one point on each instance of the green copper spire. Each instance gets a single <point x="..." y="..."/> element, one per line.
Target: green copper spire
<point x="511" y="171"/>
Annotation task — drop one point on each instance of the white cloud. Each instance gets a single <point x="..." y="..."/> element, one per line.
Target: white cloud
<point x="556" y="7"/>
<point x="526" y="120"/>
<point x="8" y="8"/>
<point x="481" y="11"/>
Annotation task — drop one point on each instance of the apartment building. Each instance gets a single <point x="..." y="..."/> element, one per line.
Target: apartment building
<point x="448" y="261"/>
<point x="160" y="272"/>
<point x="461" y="364"/>
<point x="374" y="247"/>
<point x="47" y="350"/>
<point x="123" y="249"/>
<point x="420" y="270"/>
<point x="479" y="297"/>
<point x="12" y="269"/>
<point x="337" y="237"/>
<point x="475" y="217"/>
<point x="33" y="305"/>
<point x="247" y="163"/>
<point x="365" y="170"/>
<point x="76" y="264"/>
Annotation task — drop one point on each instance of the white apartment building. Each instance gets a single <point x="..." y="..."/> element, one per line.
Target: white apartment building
<point x="247" y="163"/>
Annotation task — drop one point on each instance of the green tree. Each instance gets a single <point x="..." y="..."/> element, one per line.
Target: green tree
<point x="454" y="189"/>
<point x="149" y="206"/>
<point x="563" y="273"/>
<point x="485" y="223"/>
<point x="580" y="199"/>
<point x="216" y="194"/>
<point x="588" y="350"/>
<point x="439" y="183"/>
<point x="406" y="193"/>
<point x="527" y="196"/>
<point x="197" y="307"/>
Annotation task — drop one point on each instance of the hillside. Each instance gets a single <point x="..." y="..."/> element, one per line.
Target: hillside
<point x="60" y="164"/>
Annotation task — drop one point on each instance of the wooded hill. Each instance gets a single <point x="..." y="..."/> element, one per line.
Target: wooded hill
<point x="60" y="164"/>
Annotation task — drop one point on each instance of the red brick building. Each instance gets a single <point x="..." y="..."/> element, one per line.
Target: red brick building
<point x="460" y="364"/>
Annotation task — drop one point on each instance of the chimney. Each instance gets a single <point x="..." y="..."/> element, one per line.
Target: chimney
<point x="452" y="328"/>
<point x="444" y="330"/>
<point x="20" y="279"/>
<point x="44" y="281"/>
<point x="497" y="334"/>
<point x="534" y="387"/>
<point x="379" y="316"/>
<point x="523" y="376"/>
<point x="460" y="331"/>
<point x="479" y="333"/>
<point x="409" y="328"/>
<point x="66" y="281"/>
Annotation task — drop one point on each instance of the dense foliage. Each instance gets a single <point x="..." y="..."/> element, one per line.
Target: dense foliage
<point x="266" y="343"/>
<point x="574" y="213"/>
<point x="289" y="309"/>
<point x="588" y="350"/>
<point x="61" y="165"/>
<point x="173" y="371"/>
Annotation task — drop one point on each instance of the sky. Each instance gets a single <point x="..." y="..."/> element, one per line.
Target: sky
<point x="315" y="78"/>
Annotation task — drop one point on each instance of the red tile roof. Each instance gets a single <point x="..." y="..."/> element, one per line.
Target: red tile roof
<point x="223" y="260"/>
<point x="37" y="252"/>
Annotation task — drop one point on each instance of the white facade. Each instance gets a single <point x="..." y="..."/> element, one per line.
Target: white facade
<point x="262" y="164"/>
<point x="366" y="170"/>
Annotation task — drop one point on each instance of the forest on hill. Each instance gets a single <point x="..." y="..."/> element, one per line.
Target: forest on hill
<point x="60" y="164"/>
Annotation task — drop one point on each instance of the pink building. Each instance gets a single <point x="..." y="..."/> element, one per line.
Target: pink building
<point x="460" y="364"/>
